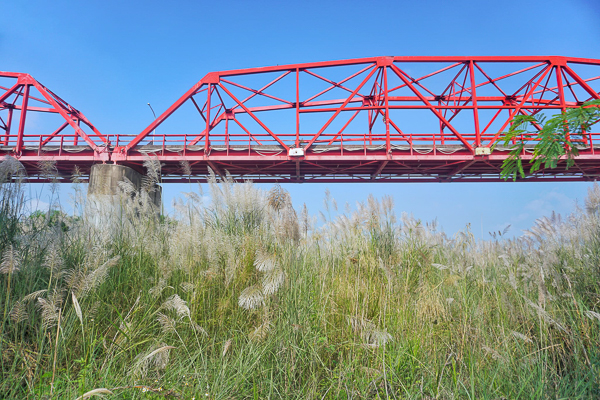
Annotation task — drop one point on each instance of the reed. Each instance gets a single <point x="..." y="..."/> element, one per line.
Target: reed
<point x="242" y="297"/>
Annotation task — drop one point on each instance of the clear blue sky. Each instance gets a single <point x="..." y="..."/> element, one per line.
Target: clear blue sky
<point x="110" y="58"/>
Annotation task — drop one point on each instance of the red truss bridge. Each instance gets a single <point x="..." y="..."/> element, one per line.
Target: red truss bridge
<point x="380" y="119"/>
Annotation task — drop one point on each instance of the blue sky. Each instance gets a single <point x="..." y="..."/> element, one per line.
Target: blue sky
<point x="110" y="58"/>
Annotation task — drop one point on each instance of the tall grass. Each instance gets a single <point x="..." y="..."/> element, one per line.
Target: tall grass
<point x="244" y="298"/>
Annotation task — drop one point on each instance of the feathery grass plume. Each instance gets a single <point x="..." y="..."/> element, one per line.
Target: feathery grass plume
<point x="198" y="328"/>
<point x="47" y="169"/>
<point x="272" y="281"/>
<point x="168" y="325"/>
<point x="278" y="198"/>
<point x="592" y="201"/>
<point x="156" y="290"/>
<point x="545" y="315"/>
<point x="19" y="312"/>
<point x="592" y="315"/>
<point x="264" y="262"/>
<point x="50" y="309"/>
<point x="126" y="187"/>
<point x="93" y="310"/>
<point x="495" y="355"/>
<point x="368" y="331"/>
<point x="177" y="304"/>
<point x="10" y="167"/>
<point x="157" y="357"/>
<point x="153" y="174"/>
<point x="75" y="279"/>
<point x="98" y="276"/>
<point x="186" y="168"/>
<point x="226" y="347"/>
<point x="11" y="261"/>
<point x="187" y="287"/>
<point x="261" y="332"/>
<point x="519" y="335"/>
<point x="376" y="337"/>
<point x="96" y="392"/>
<point x="34" y="295"/>
<point x="53" y="261"/>
<point x="77" y="308"/>
<point x="252" y="297"/>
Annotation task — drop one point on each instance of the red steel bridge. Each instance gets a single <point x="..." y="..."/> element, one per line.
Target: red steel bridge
<point x="380" y="119"/>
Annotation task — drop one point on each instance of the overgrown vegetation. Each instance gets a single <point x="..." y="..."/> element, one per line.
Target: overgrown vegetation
<point x="243" y="298"/>
<point x="556" y="138"/>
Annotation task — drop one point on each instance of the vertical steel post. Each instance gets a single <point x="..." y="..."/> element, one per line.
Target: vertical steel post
<point x="21" y="131"/>
<point x="8" y="124"/>
<point x="206" y="142"/>
<point x="474" y="101"/>
<point x="388" y="145"/>
<point x="297" y="107"/>
<point x="559" y="83"/>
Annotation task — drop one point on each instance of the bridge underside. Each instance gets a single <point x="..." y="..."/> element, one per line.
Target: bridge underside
<point x="326" y="163"/>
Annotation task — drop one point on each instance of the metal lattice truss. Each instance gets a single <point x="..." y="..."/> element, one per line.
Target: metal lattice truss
<point x="373" y="119"/>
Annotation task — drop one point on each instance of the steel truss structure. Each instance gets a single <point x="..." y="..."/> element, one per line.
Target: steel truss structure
<point x="380" y="119"/>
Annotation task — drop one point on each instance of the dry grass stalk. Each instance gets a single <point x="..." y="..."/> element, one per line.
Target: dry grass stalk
<point x="96" y="392"/>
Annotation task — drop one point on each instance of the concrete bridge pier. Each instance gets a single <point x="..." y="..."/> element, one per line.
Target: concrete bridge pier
<point x="104" y="191"/>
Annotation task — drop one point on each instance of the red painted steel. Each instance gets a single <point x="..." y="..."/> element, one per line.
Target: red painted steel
<point x="384" y="119"/>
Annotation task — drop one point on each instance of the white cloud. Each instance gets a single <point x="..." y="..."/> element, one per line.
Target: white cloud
<point x="33" y="205"/>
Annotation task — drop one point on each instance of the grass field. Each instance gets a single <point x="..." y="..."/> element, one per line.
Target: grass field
<point x="246" y="298"/>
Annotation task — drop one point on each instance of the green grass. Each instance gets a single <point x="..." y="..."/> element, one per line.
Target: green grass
<point x="369" y="306"/>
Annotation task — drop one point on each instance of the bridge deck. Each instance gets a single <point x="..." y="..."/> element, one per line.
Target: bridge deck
<point x="322" y="163"/>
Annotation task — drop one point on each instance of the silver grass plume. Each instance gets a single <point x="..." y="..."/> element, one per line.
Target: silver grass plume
<point x="177" y="304"/>
<point x="127" y="187"/>
<point x="99" y="275"/>
<point x="226" y="347"/>
<point x="592" y="201"/>
<point x="47" y="168"/>
<point x="371" y="335"/>
<point x="96" y="392"/>
<point x="278" y="198"/>
<point x="19" y="312"/>
<point x="156" y="290"/>
<point x="158" y="357"/>
<point x="77" y="308"/>
<point x="187" y="287"/>
<point x="10" y="167"/>
<point x="524" y="338"/>
<point x="545" y="315"/>
<point x="185" y="167"/>
<point x="261" y="332"/>
<point x="198" y="328"/>
<point x="252" y="297"/>
<point x="153" y="174"/>
<point x="495" y="355"/>
<point x="11" y="261"/>
<point x="272" y="281"/>
<point x="592" y="315"/>
<point x="264" y="262"/>
<point x="53" y="261"/>
<point x="167" y="324"/>
<point x="376" y="337"/>
<point x="34" y="295"/>
<point x="50" y="308"/>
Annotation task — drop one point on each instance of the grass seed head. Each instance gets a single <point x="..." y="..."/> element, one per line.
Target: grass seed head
<point x="252" y="297"/>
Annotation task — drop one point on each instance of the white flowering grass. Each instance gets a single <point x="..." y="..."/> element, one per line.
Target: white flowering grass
<point x="261" y="301"/>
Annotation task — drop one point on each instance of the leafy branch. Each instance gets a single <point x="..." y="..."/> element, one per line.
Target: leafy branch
<point x="555" y="138"/>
